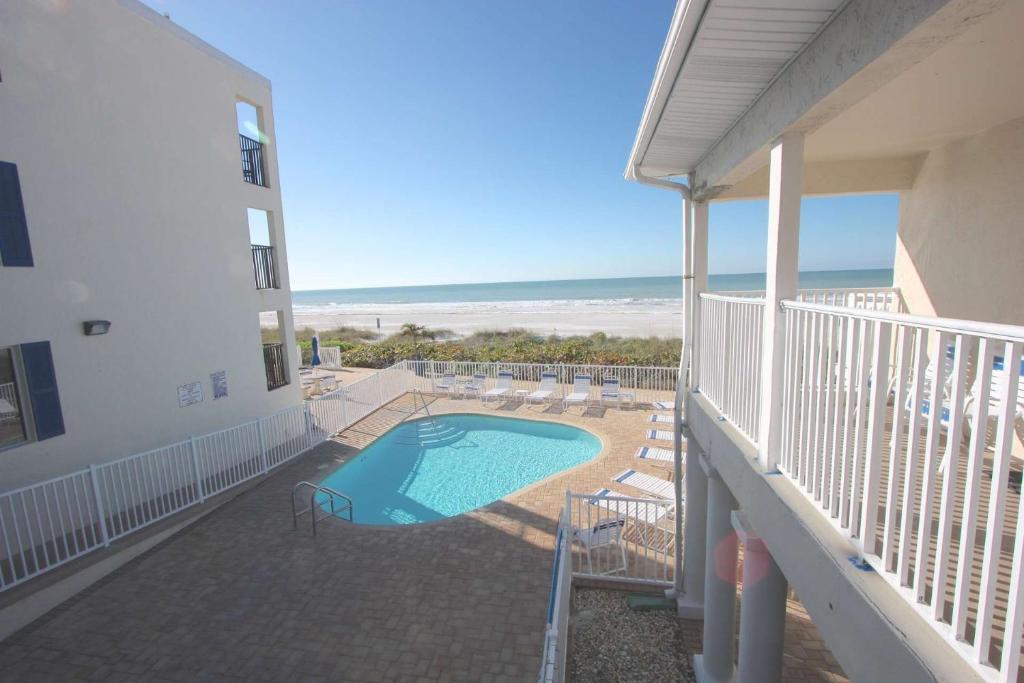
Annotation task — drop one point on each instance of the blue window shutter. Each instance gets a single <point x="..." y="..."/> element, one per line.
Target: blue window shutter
<point x="42" y="389"/>
<point x="15" y="249"/>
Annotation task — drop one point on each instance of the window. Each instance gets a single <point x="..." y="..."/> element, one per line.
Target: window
<point x="251" y="140"/>
<point x="29" y="403"/>
<point x="274" y="357"/>
<point x="13" y="424"/>
<point x="15" y="249"/>
<point x="264" y="268"/>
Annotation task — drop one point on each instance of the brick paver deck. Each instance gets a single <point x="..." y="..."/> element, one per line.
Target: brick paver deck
<point x="240" y="596"/>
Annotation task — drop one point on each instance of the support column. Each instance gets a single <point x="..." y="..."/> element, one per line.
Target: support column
<point x="677" y="415"/>
<point x="691" y="603"/>
<point x="762" y="609"/>
<point x="717" y="663"/>
<point x="785" y="186"/>
<point x="700" y="284"/>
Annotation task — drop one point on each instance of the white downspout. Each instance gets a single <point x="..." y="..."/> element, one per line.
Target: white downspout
<point x="684" y="361"/>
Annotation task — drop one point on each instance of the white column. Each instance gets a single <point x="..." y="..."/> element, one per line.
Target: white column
<point x="785" y="186"/>
<point x="700" y="279"/>
<point x="677" y="415"/>
<point x="762" y="609"/>
<point x="691" y="603"/>
<point x="716" y="663"/>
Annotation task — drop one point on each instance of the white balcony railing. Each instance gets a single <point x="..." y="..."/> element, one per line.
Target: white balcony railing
<point x="729" y="365"/>
<point x="869" y="298"/>
<point x="901" y="429"/>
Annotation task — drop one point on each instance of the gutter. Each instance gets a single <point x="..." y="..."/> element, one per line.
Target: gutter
<point x="634" y="173"/>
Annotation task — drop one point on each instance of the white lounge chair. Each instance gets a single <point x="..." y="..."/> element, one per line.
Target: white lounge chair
<point x="503" y="387"/>
<point x="656" y="454"/>
<point x="477" y="384"/>
<point x="664" y="405"/>
<point x="548" y="380"/>
<point x="660" y="435"/>
<point x="603" y="533"/>
<point x="649" y="513"/>
<point x="648" y="483"/>
<point x="446" y="384"/>
<point x="662" y="419"/>
<point x="610" y="391"/>
<point x="580" y="392"/>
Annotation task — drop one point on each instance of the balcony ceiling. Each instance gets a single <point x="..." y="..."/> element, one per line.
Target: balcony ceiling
<point x="704" y="84"/>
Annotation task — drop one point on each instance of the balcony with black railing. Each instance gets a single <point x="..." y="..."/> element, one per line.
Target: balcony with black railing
<point x="252" y="160"/>
<point x="263" y="267"/>
<point x="274" y="363"/>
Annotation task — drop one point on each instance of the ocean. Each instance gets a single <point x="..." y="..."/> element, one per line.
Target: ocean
<point x="635" y="306"/>
<point x="607" y="289"/>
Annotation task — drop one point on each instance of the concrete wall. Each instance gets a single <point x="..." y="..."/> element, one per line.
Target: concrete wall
<point x="123" y="127"/>
<point x="960" y="247"/>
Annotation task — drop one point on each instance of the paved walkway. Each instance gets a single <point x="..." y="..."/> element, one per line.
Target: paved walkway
<point x="241" y="596"/>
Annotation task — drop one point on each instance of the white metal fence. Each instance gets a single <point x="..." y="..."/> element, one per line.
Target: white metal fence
<point x="646" y="384"/>
<point x="901" y="430"/>
<point x="729" y="367"/>
<point x="556" y="632"/>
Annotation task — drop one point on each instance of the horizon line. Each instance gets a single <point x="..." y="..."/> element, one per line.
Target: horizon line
<point x="580" y="279"/>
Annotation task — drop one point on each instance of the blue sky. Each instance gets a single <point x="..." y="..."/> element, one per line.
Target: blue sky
<point x="437" y="142"/>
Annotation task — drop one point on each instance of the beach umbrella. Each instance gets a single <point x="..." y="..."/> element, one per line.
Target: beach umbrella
<point x="315" y="361"/>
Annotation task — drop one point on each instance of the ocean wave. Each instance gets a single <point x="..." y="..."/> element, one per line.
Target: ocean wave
<point x="334" y="308"/>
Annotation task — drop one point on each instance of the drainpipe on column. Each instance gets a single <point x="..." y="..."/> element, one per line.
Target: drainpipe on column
<point x="684" y="360"/>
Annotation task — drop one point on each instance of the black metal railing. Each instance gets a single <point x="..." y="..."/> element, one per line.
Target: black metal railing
<point x="252" y="160"/>
<point x="263" y="267"/>
<point x="273" y="362"/>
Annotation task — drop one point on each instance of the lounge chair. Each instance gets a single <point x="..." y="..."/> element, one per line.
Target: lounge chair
<point x="548" y="380"/>
<point x="610" y="392"/>
<point x="660" y="435"/>
<point x="447" y="383"/>
<point x="656" y="486"/>
<point x="662" y="419"/>
<point x="476" y="385"/>
<point x="503" y="387"/>
<point x="580" y="392"/>
<point x="603" y="533"/>
<point x="656" y="454"/>
<point x="647" y="513"/>
<point x="664" y="405"/>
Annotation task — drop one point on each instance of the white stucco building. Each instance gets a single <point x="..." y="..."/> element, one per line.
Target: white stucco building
<point x="126" y="194"/>
<point x="812" y="423"/>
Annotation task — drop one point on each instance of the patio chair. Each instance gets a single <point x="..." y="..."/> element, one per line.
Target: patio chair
<point x="662" y="419"/>
<point x="604" y="533"/>
<point x="660" y="435"/>
<point x="996" y="389"/>
<point x="476" y="385"/>
<point x="503" y="387"/>
<point x="610" y="392"/>
<point x="656" y="454"/>
<point x="580" y="392"/>
<point x="647" y="514"/>
<point x="548" y="380"/>
<point x="656" y="486"/>
<point x="447" y="383"/>
<point x="664" y="405"/>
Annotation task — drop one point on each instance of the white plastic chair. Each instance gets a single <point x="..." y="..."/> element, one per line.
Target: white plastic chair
<point x="604" y="533"/>
<point x="447" y="383"/>
<point x="476" y="385"/>
<point x="548" y="380"/>
<point x="503" y="387"/>
<point x="610" y="392"/>
<point x="580" y="392"/>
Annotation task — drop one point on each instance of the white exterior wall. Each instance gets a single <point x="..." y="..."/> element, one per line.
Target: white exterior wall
<point x="123" y="128"/>
<point x="966" y="207"/>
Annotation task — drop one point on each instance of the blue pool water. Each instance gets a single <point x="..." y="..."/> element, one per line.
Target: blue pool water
<point x="423" y="471"/>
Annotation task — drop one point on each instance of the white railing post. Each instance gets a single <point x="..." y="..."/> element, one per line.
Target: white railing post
<point x="200" y="489"/>
<point x="699" y="244"/>
<point x="307" y="417"/>
<point x="785" y="186"/>
<point x="263" y="446"/>
<point x="101" y="514"/>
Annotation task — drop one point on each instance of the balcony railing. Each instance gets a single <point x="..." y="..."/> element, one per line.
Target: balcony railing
<point x="252" y="160"/>
<point x="871" y="298"/>
<point x="274" y="363"/>
<point x="263" y="267"/>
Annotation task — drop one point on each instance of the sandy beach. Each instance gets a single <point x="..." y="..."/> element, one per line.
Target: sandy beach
<point x="620" y="317"/>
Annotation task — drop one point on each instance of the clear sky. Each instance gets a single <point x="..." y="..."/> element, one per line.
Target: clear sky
<point x="439" y="142"/>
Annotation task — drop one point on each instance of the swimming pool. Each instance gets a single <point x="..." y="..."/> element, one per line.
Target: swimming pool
<point x="425" y="470"/>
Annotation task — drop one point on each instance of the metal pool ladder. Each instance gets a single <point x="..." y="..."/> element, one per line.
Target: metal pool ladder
<point x="340" y="504"/>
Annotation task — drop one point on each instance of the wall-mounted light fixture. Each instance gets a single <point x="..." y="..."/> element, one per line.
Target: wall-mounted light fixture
<point x="95" y="327"/>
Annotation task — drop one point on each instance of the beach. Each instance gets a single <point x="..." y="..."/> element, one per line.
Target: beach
<point x="627" y="307"/>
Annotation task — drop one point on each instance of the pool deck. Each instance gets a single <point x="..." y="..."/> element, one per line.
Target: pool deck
<point x="241" y="596"/>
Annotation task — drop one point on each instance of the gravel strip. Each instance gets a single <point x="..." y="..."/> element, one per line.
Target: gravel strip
<point x="611" y="642"/>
